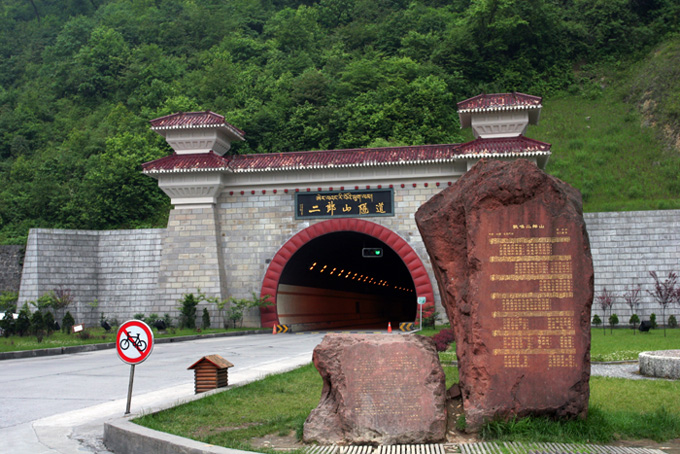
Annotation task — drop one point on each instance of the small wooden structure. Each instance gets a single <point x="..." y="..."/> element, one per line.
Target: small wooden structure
<point x="210" y="372"/>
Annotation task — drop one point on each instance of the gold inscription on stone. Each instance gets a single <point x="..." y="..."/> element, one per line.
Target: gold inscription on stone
<point x="535" y="351"/>
<point x="495" y="296"/>
<point x="532" y="332"/>
<point x="515" y="361"/>
<point x="533" y="240"/>
<point x="534" y="322"/>
<point x="534" y="314"/>
<point x="524" y="304"/>
<point x="530" y="277"/>
<point x="515" y="324"/>
<point x="561" y="361"/>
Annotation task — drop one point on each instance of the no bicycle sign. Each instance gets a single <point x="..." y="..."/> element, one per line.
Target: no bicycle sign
<point x="134" y="342"/>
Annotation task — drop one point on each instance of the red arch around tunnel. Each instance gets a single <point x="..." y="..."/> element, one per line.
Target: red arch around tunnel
<point x="269" y="315"/>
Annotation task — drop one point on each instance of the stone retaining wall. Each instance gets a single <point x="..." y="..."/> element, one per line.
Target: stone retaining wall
<point x="626" y="246"/>
<point x="122" y="270"/>
<point x="11" y="262"/>
<point x="109" y="272"/>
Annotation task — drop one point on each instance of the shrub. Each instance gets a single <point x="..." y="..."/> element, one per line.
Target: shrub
<point x="235" y="311"/>
<point x="237" y="308"/>
<point x="7" y="324"/>
<point x="67" y="323"/>
<point x="596" y="320"/>
<point x="429" y="314"/>
<point x="443" y="339"/>
<point x="672" y="322"/>
<point x="48" y="320"/>
<point x="187" y="317"/>
<point x="206" y="319"/>
<point x="613" y="321"/>
<point x="38" y="325"/>
<point x="37" y="322"/>
<point x="84" y="335"/>
<point x="8" y="301"/>
<point x="168" y="320"/>
<point x="151" y="319"/>
<point x="61" y="299"/>
<point x="23" y="322"/>
<point x="634" y="321"/>
<point x="139" y="316"/>
<point x="652" y="320"/>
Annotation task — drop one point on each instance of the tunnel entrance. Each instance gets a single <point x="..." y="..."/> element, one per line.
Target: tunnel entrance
<point x="345" y="280"/>
<point x="320" y="278"/>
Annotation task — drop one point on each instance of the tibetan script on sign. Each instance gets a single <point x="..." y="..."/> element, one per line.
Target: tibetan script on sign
<point x="338" y="204"/>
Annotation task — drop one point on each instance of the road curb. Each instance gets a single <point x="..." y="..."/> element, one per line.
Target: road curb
<point x="109" y="345"/>
<point x="125" y="437"/>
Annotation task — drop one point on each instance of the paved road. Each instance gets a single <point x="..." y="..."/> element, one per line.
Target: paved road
<point x="58" y="404"/>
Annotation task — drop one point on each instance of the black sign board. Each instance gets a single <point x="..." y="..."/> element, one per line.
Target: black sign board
<point x="344" y="204"/>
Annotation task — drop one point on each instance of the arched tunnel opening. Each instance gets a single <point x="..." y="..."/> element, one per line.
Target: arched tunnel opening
<point x="345" y="280"/>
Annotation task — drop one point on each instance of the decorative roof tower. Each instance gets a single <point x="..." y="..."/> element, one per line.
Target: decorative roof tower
<point x="499" y="115"/>
<point x="197" y="132"/>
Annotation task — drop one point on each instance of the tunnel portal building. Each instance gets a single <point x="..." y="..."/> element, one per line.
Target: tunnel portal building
<point x="330" y="235"/>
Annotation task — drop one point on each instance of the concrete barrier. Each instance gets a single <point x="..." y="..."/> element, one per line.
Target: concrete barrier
<point x="661" y="364"/>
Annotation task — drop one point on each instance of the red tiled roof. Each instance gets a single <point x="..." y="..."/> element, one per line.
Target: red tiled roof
<point x="192" y="120"/>
<point x="511" y="146"/>
<point x="499" y="101"/>
<point x="343" y="158"/>
<point x="419" y="154"/>
<point x="186" y="163"/>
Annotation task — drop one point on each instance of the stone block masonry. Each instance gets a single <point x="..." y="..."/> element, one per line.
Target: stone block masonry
<point x="190" y="261"/>
<point x="626" y="246"/>
<point x="124" y="270"/>
<point x="11" y="262"/>
<point x="255" y="226"/>
<point x="109" y="272"/>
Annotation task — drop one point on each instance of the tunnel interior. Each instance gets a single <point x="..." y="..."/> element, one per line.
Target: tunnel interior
<point x="345" y="280"/>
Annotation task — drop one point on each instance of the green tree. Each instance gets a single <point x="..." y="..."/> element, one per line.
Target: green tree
<point x="38" y="325"/>
<point x="205" y="319"/>
<point x="606" y="300"/>
<point x="634" y="322"/>
<point x="99" y="65"/>
<point x="666" y="292"/>
<point x="596" y="320"/>
<point x="23" y="322"/>
<point x="613" y="321"/>
<point x="7" y="324"/>
<point x="672" y="322"/>
<point x="67" y="323"/>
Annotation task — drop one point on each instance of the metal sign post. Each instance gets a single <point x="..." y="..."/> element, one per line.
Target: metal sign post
<point x="129" y="399"/>
<point x="134" y="344"/>
<point x="421" y="303"/>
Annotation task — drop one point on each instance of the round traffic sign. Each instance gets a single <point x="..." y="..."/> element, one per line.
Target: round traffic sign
<point x="134" y="341"/>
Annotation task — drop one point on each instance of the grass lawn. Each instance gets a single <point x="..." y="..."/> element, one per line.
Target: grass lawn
<point x="619" y="408"/>
<point x="626" y="344"/>
<point x="92" y="336"/>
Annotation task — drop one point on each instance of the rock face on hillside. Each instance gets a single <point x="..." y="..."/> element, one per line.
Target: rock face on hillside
<point x="378" y="389"/>
<point x="512" y="259"/>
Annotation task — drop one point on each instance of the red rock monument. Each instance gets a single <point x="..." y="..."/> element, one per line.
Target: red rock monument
<point x="512" y="259"/>
<point x="378" y="389"/>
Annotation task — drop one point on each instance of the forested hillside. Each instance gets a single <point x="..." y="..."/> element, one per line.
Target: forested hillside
<point x="79" y="80"/>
